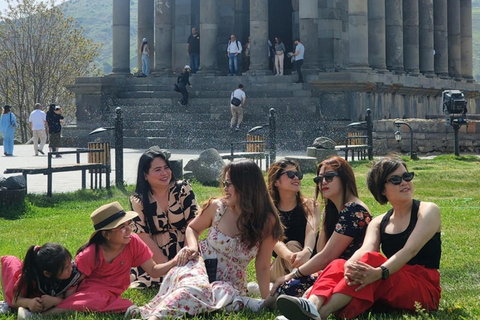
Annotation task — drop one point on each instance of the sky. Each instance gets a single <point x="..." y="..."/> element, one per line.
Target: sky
<point x="3" y="4"/>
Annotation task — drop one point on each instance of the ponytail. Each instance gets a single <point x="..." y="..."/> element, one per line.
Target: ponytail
<point x="29" y="273"/>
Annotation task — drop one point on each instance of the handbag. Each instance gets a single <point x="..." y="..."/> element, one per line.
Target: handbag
<point x="175" y="87"/>
<point x="211" y="266"/>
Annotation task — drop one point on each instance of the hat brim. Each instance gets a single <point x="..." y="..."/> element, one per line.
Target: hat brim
<point x="129" y="215"/>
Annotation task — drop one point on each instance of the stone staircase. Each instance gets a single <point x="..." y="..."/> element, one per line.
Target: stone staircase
<point x="152" y="115"/>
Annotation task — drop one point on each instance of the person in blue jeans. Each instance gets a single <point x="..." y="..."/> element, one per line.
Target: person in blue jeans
<point x="193" y="50"/>
<point x="234" y="49"/>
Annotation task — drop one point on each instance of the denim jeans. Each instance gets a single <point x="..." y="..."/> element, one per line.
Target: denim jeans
<point x="194" y="62"/>
<point x="145" y="64"/>
<point x="233" y="64"/>
<point x="298" y="67"/>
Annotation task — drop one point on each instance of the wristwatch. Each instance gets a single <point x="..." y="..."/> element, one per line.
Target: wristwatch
<point x="295" y="273"/>
<point x="385" y="272"/>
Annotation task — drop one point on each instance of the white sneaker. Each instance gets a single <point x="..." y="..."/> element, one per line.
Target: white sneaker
<point x="24" y="313"/>
<point x="297" y="308"/>
<point x="281" y="318"/>
<point x="4" y="307"/>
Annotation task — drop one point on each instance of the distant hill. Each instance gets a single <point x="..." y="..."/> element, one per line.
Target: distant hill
<point x="96" y="18"/>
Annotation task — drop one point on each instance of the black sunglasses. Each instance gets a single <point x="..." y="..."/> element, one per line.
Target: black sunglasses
<point x="328" y="177"/>
<point x="293" y="174"/>
<point x="226" y="183"/>
<point x="396" y="180"/>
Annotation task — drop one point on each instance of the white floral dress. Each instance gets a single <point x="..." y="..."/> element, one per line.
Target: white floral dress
<point x="186" y="290"/>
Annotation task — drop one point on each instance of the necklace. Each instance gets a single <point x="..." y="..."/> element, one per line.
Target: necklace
<point x="287" y="214"/>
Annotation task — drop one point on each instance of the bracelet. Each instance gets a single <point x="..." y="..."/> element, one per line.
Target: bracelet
<point x="309" y="249"/>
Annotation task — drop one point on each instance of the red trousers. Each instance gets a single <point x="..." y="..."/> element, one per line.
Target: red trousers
<point x="402" y="290"/>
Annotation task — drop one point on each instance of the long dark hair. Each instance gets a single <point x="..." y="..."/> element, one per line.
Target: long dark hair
<point x="274" y="174"/>
<point x="96" y="240"/>
<point x="142" y="188"/>
<point x="349" y="184"/>
<point x="256" y="205"/>
<point x="51" y="258"/>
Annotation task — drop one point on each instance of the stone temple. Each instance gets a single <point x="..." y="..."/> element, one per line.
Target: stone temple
<point x="394" y="57"/>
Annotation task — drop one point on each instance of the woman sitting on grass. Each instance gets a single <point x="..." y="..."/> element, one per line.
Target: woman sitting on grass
<point x="407" y="278"/>
<point x="106" y="259"/>
<point x="165" y="207"/>
<point x="345" y="220"/>
<point x="242" y="225"/>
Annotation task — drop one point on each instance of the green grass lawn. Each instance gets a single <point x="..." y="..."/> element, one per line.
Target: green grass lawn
<point x="451" y="182"/>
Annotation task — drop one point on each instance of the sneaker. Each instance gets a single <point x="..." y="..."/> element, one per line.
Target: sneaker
<point x="24" y="313"/>
<point x="237" y="128"/>
<point x="132" y="312"/>
<point x="297" y="308"/>
<point x="58" y="156"/>
<point x="298" y="82"/>
<point x="4" y="307"/>
<point x="41" y="151"/>
<point x="281" y="318"/>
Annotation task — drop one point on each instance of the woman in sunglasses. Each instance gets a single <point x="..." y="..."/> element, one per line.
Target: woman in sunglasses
<point x="300" y="217"/>
<point x="405" y="278"/>
<point x="345" y="219"/>
<point x="242" y="225"/>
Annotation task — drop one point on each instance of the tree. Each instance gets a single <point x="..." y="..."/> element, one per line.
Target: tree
<point x="41" y="52"/>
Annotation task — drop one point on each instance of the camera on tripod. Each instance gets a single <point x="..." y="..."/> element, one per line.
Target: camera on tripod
<point x="454" y="107"/>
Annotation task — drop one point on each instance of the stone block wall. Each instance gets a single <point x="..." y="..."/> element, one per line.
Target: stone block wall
<point x="429" y="136"/>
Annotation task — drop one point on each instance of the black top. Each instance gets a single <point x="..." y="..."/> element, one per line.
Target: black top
<point x="184" y="78"/>
<point x="53" y="121"/>
<point x="194" y="43"/>
<point x="295" y="223"/>
<point x="428" y="256"/>
<point x="54" y="287"/>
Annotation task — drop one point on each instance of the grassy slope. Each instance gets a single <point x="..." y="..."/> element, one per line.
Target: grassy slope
<point x="449" y="182"/>
<point x="96" y="18"/>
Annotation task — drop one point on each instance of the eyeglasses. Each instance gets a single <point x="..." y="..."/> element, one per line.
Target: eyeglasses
<point x="327" y="176"/>
<point x="293" y="174"/>
<point x="396" y="180"/>
<point x="227" y="183"/>
<point x="124" y="228"/>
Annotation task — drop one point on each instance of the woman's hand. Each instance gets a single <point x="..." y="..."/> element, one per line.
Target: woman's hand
<point x="281" y="280"/>
<point x="299" y="258"/>
<point x="186" y="254"/>
<point x="361" y="274"/>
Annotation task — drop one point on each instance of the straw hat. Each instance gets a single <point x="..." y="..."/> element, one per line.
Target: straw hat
<point x="110" y="216"/>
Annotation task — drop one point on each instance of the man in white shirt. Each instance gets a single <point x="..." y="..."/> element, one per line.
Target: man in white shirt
<point x="234" y="48"/>
<point x="237" y="110"/>
<point x="38" y="123"/>
<point x="298" y="54"/>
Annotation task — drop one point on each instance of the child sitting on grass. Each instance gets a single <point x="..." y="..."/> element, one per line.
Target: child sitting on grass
<point x="46" y="277"/>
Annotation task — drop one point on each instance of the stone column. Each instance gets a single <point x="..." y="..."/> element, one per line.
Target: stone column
<point x="121" y="43"/>
<point x="394" y="32"/>
<point x="425" y="8"/>
<point x="466" y="38"/>
<point x="440" y="27"/>
<point x="357" y="34"/>
<point x="376" y="35"/>
<point x="308" y="32"/>
<point x="410" y="36"/>
<point x="145" y="30"/>
<point x="163" y="36"/>
<point x="208" y="36"/>
<point x="454" y="43"/>
<point x="258" y="36"/>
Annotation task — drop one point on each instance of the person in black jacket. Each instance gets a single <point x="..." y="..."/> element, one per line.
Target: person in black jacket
<point x="54" y="122"/>
<point x="183" y="80"/>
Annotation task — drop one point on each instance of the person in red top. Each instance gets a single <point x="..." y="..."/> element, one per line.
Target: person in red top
<point x="106" y="259"/>
<point x="46" y="276"/>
